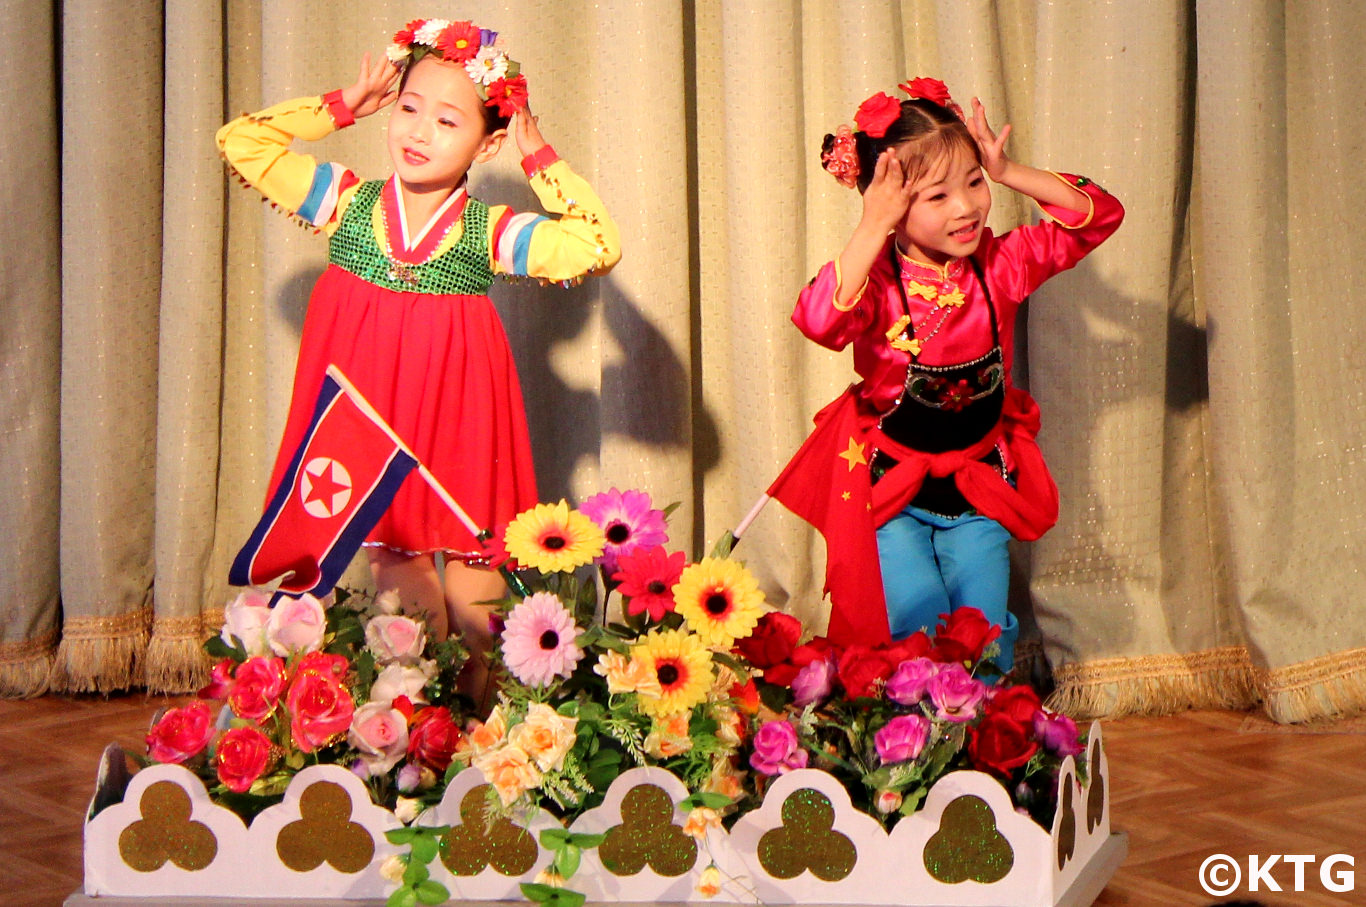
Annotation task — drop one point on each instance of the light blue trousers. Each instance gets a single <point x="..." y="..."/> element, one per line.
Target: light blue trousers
<point x="933" y="565"/>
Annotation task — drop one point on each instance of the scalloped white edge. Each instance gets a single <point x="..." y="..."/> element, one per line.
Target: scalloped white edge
<point x="247" y="866"/>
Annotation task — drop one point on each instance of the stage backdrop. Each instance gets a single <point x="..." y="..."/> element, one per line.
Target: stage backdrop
<point x="1201" y="376"/>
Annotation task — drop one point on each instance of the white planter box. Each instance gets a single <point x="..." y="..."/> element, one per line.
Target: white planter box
<point x="966" y="847"/>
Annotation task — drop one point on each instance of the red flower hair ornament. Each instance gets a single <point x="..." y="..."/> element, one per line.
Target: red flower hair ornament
<point x="496" y="78"/>
<point x="874" y="117"/>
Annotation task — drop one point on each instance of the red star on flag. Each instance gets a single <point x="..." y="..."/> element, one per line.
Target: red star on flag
<point x="325" y="487"/>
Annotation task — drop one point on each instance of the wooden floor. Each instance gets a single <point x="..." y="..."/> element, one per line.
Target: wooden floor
<point x="1184" y="787"/>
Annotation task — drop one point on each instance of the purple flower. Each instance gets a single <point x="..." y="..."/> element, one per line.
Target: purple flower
<point x="1057" y="733"/>
<point x="628" y="521"/>
<point x="813" y="682"/>
<point x="902" y="738"/>
<point x="956" y="696"/>
<point x="776" y="751"/>
<point x="908" y="684"/>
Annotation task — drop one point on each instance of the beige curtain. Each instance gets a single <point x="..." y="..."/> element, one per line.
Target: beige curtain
<point x="1199" y="374"/>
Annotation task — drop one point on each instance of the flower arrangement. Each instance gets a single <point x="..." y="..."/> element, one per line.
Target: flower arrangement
<point x="890" y="720"/>
<point x="357" y="683"/>
<point x="497" y="78"/>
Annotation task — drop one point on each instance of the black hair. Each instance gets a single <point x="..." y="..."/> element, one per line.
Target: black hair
<point x="931" y="129"/>
<point x="493" y="120"/>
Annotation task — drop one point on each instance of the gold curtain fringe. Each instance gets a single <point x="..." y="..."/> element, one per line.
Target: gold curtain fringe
<point x="101" y="654"/>
<point x="1332" y="686"/>
<point x="1221" y="678"/>
<point x="176" y="661"/>
<point x="25" y="666"/>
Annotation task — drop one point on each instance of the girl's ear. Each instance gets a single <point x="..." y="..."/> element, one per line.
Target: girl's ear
<point x="493" y="143"/>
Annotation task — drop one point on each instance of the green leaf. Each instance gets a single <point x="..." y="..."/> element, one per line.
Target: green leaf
<point x="669" y="508"/>
<point x="567" y="861"/>
<point x="538" y="893"/>
<point x="724" y="545"/>
<point x="415" y="873"/>
<point x="403" y="897"/>
<point x="554" y="838"/>
<point x="218" y="649"/>
<point x="424" y="849"/>
<point x="585" y="840"/>
<point x="430" y="892"/>
<point x="400" y="835"/>
<point x="708" y="799"/>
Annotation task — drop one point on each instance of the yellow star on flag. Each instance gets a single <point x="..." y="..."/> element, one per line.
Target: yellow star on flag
<point x="854" y="455"/>
<point x="844" y="496"/>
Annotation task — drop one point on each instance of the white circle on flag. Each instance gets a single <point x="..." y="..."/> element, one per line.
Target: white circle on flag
<point x="324" y="488"/>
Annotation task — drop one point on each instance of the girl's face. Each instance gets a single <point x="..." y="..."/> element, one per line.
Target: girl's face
<point x="949" y="207"/>
<point x="436" y="130"/>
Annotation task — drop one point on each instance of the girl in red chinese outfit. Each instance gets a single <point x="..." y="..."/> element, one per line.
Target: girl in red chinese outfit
<point x="401" y="308"/>
<point x="928" y="465"/>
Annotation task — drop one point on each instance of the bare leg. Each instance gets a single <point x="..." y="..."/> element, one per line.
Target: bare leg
<point x="465" y="586"/>
<point x="417" y="583"/>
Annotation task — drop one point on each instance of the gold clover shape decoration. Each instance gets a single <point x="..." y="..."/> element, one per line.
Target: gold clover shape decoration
<point x="482" y="840"/>
<point x="968" y="845"/>
<point x="647" y="836"/>
<point x="165" y="833"/>
<point x="324" y="833"/>
<point x="807" y="840"/>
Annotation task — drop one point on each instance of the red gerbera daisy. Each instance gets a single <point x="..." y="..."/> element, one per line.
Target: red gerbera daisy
<point x="508" y="95"/>
<point x="647" y="578"/>
<point x="405" y="34"/>
<point x="459" y="42"/>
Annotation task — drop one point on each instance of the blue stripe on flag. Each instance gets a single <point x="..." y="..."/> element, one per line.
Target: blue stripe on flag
<point x="240" y="574"/>
<point x="333" y="564"/>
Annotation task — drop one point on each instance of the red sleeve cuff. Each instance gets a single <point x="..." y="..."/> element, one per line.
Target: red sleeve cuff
<point x="337" y="109"/>
<point x="533" y="163"/>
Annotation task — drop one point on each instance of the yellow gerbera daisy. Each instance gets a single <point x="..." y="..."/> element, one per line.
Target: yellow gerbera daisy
<point x="552" y="538"/>
<point x="719" y="599"/>
<point x="683" y="667"/>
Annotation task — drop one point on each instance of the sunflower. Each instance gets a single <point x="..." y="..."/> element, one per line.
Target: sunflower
<point x="720" y="600"/>
<point x="682" y="665"/>
<point x="552" y="538"/>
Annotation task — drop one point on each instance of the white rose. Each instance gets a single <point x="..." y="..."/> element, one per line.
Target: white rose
<point x="398" y="680"/>
<point x="395" y="637"/>
<point x="296" y="625"/>
<point x="388" y="602"/>
<point x="245" y="619"/>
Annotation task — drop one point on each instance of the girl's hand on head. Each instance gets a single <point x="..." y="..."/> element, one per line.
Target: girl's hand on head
<point x="374" y="87"/>
<point x="992" y="146"/>
<point x="527" y="131"/>
<point x="888" y="195"/>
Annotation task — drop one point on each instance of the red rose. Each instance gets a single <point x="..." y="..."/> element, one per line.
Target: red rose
<point x="508" y="95"/>
<point x="181" y="733"/>
<point x="1018" y="703"/>
<point x="962" y="635"/>
<point x="927" y="88"/>
<point x="781" y="675"/>
<point x="320" y="708"/>
<point x="243" y="755"/>
<point x="860" y="667"/>
<point x="405" y="34"/>
<point x="877" y="113"/>
<point x="434" y="738"/>
<point x="917" y="645"/>
<point x="220" y="681"/>
<point x="256" y="687"/>
<point x="773" y="639"/>
<point x="458" y="42"/>
<point x="1000" y="745"/>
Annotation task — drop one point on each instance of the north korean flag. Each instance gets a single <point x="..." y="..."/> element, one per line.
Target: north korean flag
<point x="341" y="479"/>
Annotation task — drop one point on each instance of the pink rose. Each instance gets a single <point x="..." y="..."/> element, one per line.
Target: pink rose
<point x="395" y="637"/>
<point x="1057" y="733"/>
<point x="296" y="625"/>
<point x="910" y="680"/>
<point x="902" y="738"/>
<point x="243" y="755"/>
<point x="956" y="696"/>
<point x="380" y="733"/>
<point x="220" y="681"/>
<point x="813" y="682"/>
<point x="320" y="707"/>
<point x="256" y="687"/>
<point x="776" y="750"/>
<point x="244" y="619"/>
<point x="181" y="733"/>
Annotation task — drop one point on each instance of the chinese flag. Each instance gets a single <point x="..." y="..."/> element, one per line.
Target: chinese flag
<point x="827" y="484"/>
<point x="342" y="477"/>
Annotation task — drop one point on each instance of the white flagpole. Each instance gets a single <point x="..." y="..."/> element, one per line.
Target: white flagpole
<point x="356" y="397"/>
<point x="750" y="517"/>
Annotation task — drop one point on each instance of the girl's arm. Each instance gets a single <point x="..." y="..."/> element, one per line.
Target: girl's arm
<point x="583" y="240"/>
<point x="256" y="147"/>
<point x="1041" y="185"/>
<point x="884" y="205"/>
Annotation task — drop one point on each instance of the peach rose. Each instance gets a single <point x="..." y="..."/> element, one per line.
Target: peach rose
<point x="395" y="638"/>
<point x="669" y="736"/>
<point x="545" y="735"/>
<point x="510" y="771"/>
<point x="296" y="625"/>
<point x="625" y="674"/>
<point x="489" y="734"/>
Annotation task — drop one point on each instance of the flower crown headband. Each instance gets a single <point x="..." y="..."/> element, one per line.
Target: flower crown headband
<point x="497" y="79"/>
<point x="873" y="118"/>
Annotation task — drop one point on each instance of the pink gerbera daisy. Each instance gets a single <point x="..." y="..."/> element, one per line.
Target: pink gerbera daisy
<point x="628" y="521"/>
<point x="647" y="578"/>
<point x="539" y="640"/>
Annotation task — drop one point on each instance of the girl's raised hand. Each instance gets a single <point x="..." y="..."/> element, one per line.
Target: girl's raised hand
<point x="992" y="146"/>
<point x="888" y="195"/>
<point x="374" y="87"/>
<point x="527" y="131"/>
